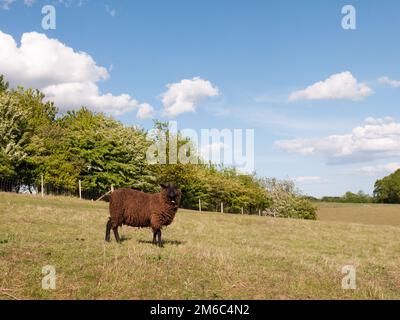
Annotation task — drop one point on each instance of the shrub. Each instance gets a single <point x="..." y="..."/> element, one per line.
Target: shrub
<point x="287" y="202"/>
<point x="387" y="190"/>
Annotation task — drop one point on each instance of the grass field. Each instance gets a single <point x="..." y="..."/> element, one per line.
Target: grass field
<point x="378" y="214"/>
<point x="206" y="255"/>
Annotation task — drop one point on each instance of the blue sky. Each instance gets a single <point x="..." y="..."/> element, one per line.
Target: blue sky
<point x="250" y="57"/>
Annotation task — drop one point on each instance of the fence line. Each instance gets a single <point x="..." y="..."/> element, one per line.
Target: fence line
<point x="41" y="188"/>
<point x="47" y="189"/>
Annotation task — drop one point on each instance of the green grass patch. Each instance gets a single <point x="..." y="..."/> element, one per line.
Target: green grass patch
<point x="206" y="255"/>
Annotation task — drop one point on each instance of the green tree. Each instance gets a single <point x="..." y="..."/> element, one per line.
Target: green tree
<point x="13" y="137"/>
<point x="96" y="149"/>
<point x="387" y="190"/>
<point x="23" y="116"/>
<point x="4" y="85"/>
<point x="82" y="145"/>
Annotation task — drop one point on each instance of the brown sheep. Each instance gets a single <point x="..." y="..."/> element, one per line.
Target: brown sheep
<point x="138" y="209"/>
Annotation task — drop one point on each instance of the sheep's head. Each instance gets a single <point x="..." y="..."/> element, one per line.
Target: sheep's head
<point x="172" y="193"/>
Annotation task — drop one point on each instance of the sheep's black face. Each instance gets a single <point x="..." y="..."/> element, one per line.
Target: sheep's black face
<point x="172" y="192"/>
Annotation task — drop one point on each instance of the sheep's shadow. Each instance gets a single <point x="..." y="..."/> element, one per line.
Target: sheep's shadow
<point x="172" y="242"/>
<point x="124" y="238"/>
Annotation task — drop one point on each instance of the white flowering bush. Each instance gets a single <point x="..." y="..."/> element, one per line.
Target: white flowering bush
<point x="287" y="201"/>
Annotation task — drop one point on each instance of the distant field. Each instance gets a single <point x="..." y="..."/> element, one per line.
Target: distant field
<point x="206" y="255"/>
<point x="377" y="214"/>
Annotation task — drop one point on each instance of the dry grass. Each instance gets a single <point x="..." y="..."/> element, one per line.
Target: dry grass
<point x="377" y="214"/>
<point x="206" y="256"/>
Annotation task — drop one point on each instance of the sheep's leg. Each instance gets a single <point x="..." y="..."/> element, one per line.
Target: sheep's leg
<point x="108" y="229"/>
<point x="154" y="236"/>
<point x="159" y="238"/>
<point x="116" y="234"/>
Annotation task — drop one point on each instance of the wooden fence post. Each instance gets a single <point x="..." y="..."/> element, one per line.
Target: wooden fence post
<point x="80" y="189"/>
<point x="242" y="210"/>
<point x="199" y="204"/>
<point x="42" y="184"/>
<point x="222" y="207"/>
<point x="259" y="212"/>
<point x="112" y="188"/>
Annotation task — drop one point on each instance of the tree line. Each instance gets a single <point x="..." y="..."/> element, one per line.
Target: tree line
<point x="36" y="140"/>
<point x="386" y="190"/>
<point x="350" y="197"/>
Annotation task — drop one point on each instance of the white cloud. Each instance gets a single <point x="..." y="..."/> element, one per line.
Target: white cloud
<point x="145" y="111"/>
<point x="338" y="86"/>
<point x="375" y="139"/>
<point x="112" y="12"/>
<point x="41" y="61"/>
<point x="69" y="3"/>
<point x="184" y="96"/>
<point x="29" y="3"/>
<point x="380" y="169"/>
<point x="5" y="4"/>
<point x="390" y="82"/>
<point x="74" y="95"/>
<point x="67" y="77"/>
<point x="307" y="179"/>
<point x="379" y="121"/>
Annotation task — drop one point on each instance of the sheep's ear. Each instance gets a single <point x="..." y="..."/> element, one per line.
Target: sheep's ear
<point x="162" y="185"/>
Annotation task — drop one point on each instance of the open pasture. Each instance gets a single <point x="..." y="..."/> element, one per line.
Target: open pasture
<point x="206" y="255"/>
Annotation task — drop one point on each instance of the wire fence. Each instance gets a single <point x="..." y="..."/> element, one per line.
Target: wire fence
<point x="48" y="189"/>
